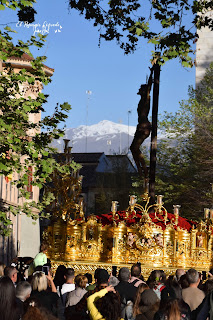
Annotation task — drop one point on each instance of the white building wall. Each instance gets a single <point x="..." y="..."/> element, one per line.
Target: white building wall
<point x="204" y="52"/>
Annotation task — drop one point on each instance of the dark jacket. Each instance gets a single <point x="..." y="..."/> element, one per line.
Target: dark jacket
<point x="126" y="290"/>
<point x="48" y="300"/>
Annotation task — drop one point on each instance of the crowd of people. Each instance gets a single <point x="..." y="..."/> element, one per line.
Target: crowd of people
<point x="123" y="296"/>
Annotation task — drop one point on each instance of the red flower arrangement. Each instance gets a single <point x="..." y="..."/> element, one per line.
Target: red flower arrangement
<point x="106" y="219"/>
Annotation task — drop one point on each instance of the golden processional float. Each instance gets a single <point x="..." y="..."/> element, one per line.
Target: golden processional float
<point x="147" y="234"/>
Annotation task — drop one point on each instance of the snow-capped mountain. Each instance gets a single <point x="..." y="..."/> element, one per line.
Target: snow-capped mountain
<point x="105" y="136"/>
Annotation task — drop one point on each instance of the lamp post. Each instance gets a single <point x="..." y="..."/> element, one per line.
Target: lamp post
<point x="88" y="92"/>
<point x="128" y="112"/>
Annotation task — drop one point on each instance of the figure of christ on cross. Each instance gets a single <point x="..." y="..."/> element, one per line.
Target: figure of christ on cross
<point x="143" y="129"/>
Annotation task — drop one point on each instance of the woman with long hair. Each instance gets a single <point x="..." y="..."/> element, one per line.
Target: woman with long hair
<point x="172" y="306"/>
<point x="141" y="288"/>
<point x="8" y="307"/>
<point x="104" y="305"/>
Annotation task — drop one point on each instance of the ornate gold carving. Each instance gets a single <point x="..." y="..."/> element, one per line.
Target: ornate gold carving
<point x="87" y="245"/>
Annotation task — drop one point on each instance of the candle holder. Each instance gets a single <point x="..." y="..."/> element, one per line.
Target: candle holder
<point x="114" y="208"/>
<point x="206" y="213"/>
<point x="211" y="214"/>
<point x="81" y="207"/>
<point x="176" y="208"/>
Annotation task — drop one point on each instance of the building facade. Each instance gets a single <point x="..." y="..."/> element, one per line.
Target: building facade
<point x="25" y="236"/>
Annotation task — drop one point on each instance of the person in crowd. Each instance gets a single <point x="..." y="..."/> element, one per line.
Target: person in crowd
<point x="41" y="258"/>
<point x="2" y="267"/>
<point x="148" y="305"/>
<point x="89" y="278"/>
<point x="23" y="291"/>
<point x="208" y="286"/>
<point x="172" y="306"/>
<point x="183" y="282"/>
<point x="179" y="273"/>
<point x="34" y="310"/>
<point x="192" y="295"/>
<point x="135" y="275"/>
<point x="69" y="284"/>
<point x="59" y="278"/>
<point x="140" y="289"/>
<point x="12" y="273"/>
<point x="92" y="286"/>
<point x="113" y="281"/>
<point x="127" y="292"/>
<point x="48" y="299"/>
<point x="104" y="304"/>
<point x="9" y="309"/>
<point x="156" y="281"/>
<point x="75" y="296"/>
<point x="79" y="311"/>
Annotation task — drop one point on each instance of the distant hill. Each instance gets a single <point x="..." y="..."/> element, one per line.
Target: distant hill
<point x="105" y="136"/>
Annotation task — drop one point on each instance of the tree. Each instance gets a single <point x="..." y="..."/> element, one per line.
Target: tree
<point x="22" y="152"/>
<point x="185" y="158"/>
<point x="173" y="32"/>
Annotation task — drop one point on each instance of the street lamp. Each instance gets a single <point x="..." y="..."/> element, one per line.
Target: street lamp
<point x="88" y="92"/>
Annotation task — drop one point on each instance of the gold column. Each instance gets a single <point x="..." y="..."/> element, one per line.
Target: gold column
<point x="119" y="245"/>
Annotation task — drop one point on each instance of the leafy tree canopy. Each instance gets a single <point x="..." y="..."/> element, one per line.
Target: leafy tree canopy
<point x="185" y="157"/>
<point x="25" y="144"/>
<point x="126" y="21"/>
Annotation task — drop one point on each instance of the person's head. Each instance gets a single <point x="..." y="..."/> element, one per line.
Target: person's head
<point x="89" y="277"/>
<point x="192" y="277"/>
<point x="136" y="270"/>
<point x="11" y="272"/>
<point x="148" y="301"/>
<point x="208" y="286"/>
<point x="179" y="273"/>
<point x="8" y="307"/>
<point x="34" y="310"/>
<point x="39" y="281"/>
<point x="43" y="247"/>
<point x="102" y="278"/>
<point x="140" y="289"/>
<point x="81" y="281"/>
<point x="23" y="290"/>
<point x="142" y="90"/>
<point x="156" y="277"/>
<point x="169" y="303"/>
<point x="113" y="281"/>
<point x="69" y="275"/>
<point x="59" y="278"/>
<point x="2" y="267"/>
<point x="124" y="274"/>
<point x="183" y="282"/>
<point x="109" y="306"/>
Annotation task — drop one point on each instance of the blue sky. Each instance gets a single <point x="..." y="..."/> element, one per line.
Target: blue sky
<point x="80" y="65"/>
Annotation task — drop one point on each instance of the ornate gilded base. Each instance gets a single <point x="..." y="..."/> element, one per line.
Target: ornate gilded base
<point x="89" y="267"/>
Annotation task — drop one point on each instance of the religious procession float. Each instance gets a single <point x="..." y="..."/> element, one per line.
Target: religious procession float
<point x="147" y="234"/>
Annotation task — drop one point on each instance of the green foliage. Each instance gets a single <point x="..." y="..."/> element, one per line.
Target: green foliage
<point x="26" y="144"/>
<point x="172" y="35"/>
<point x="185" y="158"/>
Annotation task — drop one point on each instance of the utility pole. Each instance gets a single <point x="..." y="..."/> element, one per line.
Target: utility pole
<point x="128" y="112"/>
<point x="153" y="149"/>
